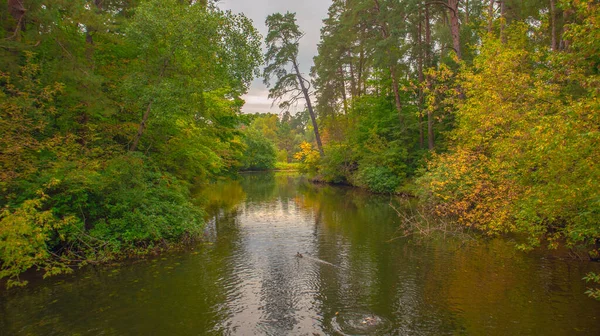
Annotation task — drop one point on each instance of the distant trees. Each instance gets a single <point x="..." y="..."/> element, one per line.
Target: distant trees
<point x="285" y="133"/>
<point x="259" y="152"/>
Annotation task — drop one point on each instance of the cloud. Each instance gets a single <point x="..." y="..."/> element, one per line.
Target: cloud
<point x="257" y="101"/>
<point x="310" y="15"/>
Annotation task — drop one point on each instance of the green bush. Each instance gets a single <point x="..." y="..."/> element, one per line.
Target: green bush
<point x="337" y="166"/>
<point x="141" y="205"/>
<point x="128" y="207"/>
<point x="282" y="155"/>
<point x="287" y="166"/>
<point x="378" y="179"/>
<point x="260" y="153"/>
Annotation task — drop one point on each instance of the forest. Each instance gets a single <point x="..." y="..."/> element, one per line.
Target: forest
<point x="114" y="111"/>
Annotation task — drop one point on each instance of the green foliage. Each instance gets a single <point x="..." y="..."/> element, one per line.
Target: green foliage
<point x="338" y="165"/>
<point x="593" y="292"/>
<point x="76" y="79"/>
<point x="138" y="204"/>
<point x="378" y="179"/>
<point x="260" y="153"/>
<point x="286" y="132"/>
<point x="284" y="166"/>
<point x="309" y="158"/>
<point x="524" y="154"/>
<point x="127" y="207"/>
<point x="282" y="156"/>
<point x="368" y="153"/>
<point x="25" y="236"/>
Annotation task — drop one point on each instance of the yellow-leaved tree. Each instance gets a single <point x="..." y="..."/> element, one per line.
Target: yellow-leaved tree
<point x="524" y="156"/>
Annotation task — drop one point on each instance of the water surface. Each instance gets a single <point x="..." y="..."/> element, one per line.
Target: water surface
<point x="245" y="279"/>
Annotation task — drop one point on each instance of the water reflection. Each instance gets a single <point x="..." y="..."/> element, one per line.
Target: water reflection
<point x="246" y="279"/>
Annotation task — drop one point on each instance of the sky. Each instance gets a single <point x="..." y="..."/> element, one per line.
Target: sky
<point x="309" y="15"/>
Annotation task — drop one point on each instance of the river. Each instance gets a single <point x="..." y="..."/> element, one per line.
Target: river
<point x="246" y="277"/>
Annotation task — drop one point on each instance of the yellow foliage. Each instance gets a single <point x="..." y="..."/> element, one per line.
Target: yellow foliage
<point x="308" y="156"/>
<point x="24" y="234"/>
<point x="525" y="150"/>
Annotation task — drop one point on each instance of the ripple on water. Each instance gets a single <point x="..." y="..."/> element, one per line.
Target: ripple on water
<point x="359" y="323"/>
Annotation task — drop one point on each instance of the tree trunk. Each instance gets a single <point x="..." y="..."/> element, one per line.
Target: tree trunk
<point x="142" y="127"/>
<point x="564" y="44"/>
<point x="421" y="93"/>
<point x="455" y="26"/>
<point x="146" y="115"/>
<point x="343" y="89"/>
<point x="310" y="108"/>
<point x="553" y="43"/>
<point x="352" y="78"/>
<point x="427" y="39"/>
<point x="490" y="15"/>
<point x="395" y="85"/>
<point x="361" y="65"/>
<point x="420" y="71"/>
<point x="89" y="38"/>
<point x="17" y="11"/>
<point x="396" y="88"/>
<point x="502" y="20"/>
<point x="430" y="135"/>
<point x="430" y="139"/>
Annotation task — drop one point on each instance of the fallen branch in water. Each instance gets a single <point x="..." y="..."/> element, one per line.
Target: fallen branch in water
<point x="418" y="222"/>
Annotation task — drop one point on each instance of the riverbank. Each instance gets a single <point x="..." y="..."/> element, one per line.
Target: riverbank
<point x="406" y="189"/>
<point x="287" y="166"/>
<point x="278" y="167"/>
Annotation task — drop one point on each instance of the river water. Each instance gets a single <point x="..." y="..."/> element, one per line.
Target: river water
<point x="246" y="278"/>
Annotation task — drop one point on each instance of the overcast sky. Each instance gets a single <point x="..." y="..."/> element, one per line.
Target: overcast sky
<point x="309" y="15"/>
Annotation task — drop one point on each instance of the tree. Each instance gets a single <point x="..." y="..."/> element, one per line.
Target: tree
<point x="260" y="152"/>
<point x="282" y="51"/>
<point x="184" y="52"/>
<point x="76" y="78"/>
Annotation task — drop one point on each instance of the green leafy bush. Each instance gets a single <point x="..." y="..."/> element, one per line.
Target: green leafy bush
<point x="260" y="153"/>
<point x="378" y="179"/>
<point x="338" y="165"/>
<point x="129" y="207"/>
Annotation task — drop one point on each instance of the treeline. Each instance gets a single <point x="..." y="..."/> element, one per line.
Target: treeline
<point x="110" y="111"/>
<point x="271" y="140"/>
<point x="488" y="110"/>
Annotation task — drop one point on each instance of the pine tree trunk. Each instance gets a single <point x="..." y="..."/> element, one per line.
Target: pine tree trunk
<point x="430" y="139"/>
<point x="343" y="90"/>
<point x="352" y="78"/>
<point x="142" y="127"/>
<point x="361" y="62"/>
<point x="455" y="26"/>
<point x="396" y="88"/>
<point x="490" y="15"/>
<point x="420" y="70"/>
<point x="503" y="20"/>
<point x="89" y="38"/>
<point x="553" y="43"/>
<point x="310" y="108"/>
<point x="146" y="115"/>
<point x="17" y="11"/>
